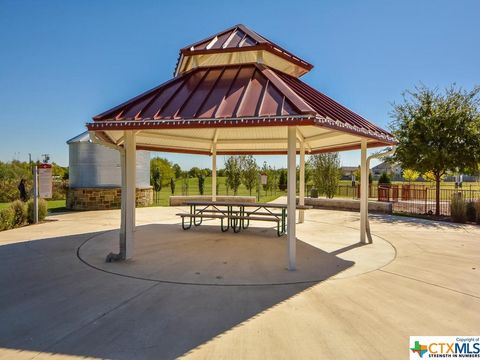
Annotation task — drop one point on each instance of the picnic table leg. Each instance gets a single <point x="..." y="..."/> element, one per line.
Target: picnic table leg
<point x="245" y="221"/>
<point x="183" y="223"/>
<point x="279" y="228"/>
<point x="195" y="219"/>
<point x="284" y="220"/>
<point x="224" y="229"/>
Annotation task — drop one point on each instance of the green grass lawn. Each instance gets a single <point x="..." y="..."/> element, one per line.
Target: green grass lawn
<point x="53" y="205"/>
<point x="161" y="199"/>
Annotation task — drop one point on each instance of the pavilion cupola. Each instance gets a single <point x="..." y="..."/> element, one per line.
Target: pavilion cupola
<point x="236" y="46"/>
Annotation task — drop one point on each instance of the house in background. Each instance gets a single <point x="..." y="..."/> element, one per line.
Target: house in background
<point x="347" y="172"/>
<point x="394" y="170"/>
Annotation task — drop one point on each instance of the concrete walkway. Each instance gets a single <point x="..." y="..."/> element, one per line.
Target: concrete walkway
<point x="419" y="278"/>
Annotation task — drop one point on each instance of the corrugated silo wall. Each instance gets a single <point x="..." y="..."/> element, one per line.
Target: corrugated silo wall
<point x="95" y="177"/>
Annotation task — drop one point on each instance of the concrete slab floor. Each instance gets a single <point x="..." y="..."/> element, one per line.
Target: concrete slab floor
<point x="419" y="278"/>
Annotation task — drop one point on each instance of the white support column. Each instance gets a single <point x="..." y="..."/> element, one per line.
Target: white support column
<point x="291" y="197"/>
<point x="123" y="202"/>
<point x="363" y="192"/>
<point x="214" y="172"/>
<point x="301" y="189"/>
<point x="127" y="235"/>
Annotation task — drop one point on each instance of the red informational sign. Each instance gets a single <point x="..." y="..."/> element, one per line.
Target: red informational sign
<point x="45" y="181"/>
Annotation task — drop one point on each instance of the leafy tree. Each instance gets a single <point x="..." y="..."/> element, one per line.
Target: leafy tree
<point x="207" y="172"/>
<point x="438" y="132"/>
<point x="156" y="179"/>
<point x="194" y="172"/>
<point x="59" y="171"/>
<point x="326" y="173"/>
<point x="233" y="173"/>
<point x="164" y="167"/>
<point x="358" y="175"/>
<point x="185" y="184"/>
<point x="177" y="170"/>
<point x="384" y="179"/>
<point x="410" y="175"/>
<point x="201" y="184"/>
<point x="282" y="179"/>
<point x="10" y="175"/>
<point x="249" y="172"/>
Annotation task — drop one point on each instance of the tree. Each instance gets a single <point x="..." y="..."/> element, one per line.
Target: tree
<point x="438" y="132"/>
<point x="384" y="179"/>
<point x="282" y="179"/>
<point x="164" y="167"/>
<point x="233" y="173"/>
<point x="172" y="186"/>
<point x="201" y="184"/>
<point x="326" y="173"/>
<point x="156" y="179"/>
<point x="358" y="175"/>
<point x="249" y="172"/>
<point x="177" y="170"/>
<point x="195" y="172"/>
<point x="410" y="175"/>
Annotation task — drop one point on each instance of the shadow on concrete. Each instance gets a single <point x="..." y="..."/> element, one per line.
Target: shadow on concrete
<point x="414" y="221"/>
<point x="52" y="302"/>
<point x="206" y="256"/>
<point x="347" y="248"/>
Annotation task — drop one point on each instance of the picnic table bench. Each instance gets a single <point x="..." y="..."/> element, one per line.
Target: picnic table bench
<point x="236" y="214"/>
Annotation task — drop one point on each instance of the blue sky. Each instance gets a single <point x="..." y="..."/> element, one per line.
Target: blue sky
<point x="62" y="62"/>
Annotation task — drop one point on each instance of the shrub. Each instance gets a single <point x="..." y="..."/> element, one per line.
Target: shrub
<point x="471" y="212"/>
<point x="384" y="179"/>
<point x="6" y="218"/>
<point x="42" y="210"/>
<point x="458" y="208"/>
<point x="19" y="213"/>
<point x="314" y="193"/>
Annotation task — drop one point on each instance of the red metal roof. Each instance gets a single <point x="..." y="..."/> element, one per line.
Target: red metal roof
<point x="239" y="38"/>
<point x="236" y="95"/>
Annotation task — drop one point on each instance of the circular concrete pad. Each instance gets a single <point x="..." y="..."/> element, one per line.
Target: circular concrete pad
<point x="256" y="256"/>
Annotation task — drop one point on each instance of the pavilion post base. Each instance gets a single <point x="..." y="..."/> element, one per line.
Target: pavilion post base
<point x="112" y="257"/>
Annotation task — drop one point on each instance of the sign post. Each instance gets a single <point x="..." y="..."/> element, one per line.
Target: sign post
<point x="45" y="181"/>
<point x="42" y="186"/>
<point x="35" y="194"/>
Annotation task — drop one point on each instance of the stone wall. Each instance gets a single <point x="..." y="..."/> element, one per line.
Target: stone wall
<point x="104" y="198"/>
<point x="181" y="200"/>
<point x="349" y="204"/>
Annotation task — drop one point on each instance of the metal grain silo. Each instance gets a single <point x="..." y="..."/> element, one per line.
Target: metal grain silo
<point x="95" y="174"/>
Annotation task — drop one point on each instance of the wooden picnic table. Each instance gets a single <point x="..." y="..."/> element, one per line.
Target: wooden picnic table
<point x="237" y="214"/>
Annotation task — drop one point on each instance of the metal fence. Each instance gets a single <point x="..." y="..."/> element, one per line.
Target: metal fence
<point x="421" y="199"/>
<point x="412" y="198"/>
<point x="353" y="191"/>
